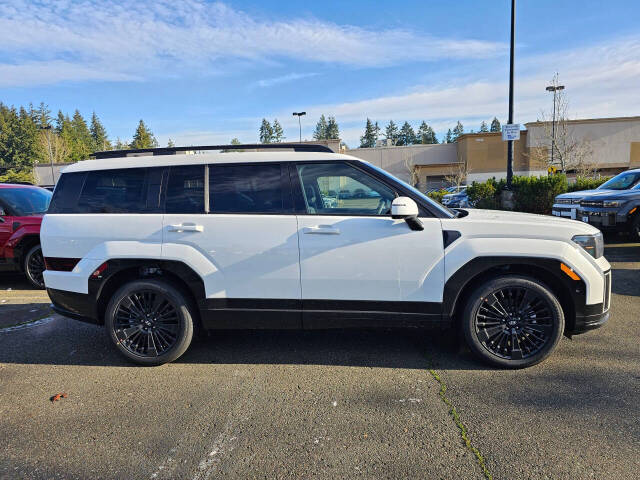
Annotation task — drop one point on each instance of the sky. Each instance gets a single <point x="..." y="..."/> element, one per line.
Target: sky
<point x="202" y="72"/>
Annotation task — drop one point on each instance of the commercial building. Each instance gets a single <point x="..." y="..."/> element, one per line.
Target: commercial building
<point x="608" y="145"/>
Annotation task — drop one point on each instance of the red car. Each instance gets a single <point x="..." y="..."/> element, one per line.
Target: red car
<point x="21" y="210"/>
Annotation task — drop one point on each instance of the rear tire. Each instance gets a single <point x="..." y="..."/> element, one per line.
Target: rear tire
<point x="634" y="230"/>
<point x="513" y="322"/>
<point x="150" y="322"/>
<point x="34" y="267"/>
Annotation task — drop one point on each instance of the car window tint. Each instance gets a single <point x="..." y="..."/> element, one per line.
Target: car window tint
<point x="114" y="191"/>
<point x="245" y="188"/>
<point x="66" y="192"/>
<point x="185" y="189"/>
<point x="340" y="189"/>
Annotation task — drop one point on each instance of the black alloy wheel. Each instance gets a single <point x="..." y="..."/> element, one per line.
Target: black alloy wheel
<point x="34" y="266"/>
<point x="150" y="322"/>
<point x="513" y="322"/>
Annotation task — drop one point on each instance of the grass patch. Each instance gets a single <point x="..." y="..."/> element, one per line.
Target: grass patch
<point x="456" y="419"/>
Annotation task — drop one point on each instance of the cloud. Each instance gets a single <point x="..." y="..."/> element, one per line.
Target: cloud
<point x="601" y="81"/>
<point x="269" y="82"/>
<point x="140" y="39"/>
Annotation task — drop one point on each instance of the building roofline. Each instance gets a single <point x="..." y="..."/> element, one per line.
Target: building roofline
<point x="588" y="120"/>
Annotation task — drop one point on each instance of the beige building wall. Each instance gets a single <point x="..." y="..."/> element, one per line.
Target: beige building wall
<point x="402" y="161"/>
<point x="610" y="142"/>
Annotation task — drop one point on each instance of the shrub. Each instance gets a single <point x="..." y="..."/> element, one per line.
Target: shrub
<point x="486" y="194"/>
<point x="437" y="195"/>
<point x="12" y="176"/>
<point x="587" y="183"/>
<point x="536" y="194"/>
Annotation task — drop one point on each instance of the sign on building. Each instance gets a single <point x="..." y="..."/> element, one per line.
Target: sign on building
<point x="511" y="131"/>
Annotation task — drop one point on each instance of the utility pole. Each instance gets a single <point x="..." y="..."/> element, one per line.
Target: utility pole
<point x="299" y="115"/>
<point x="510" y="121"/>
<point x="554" y="89"/>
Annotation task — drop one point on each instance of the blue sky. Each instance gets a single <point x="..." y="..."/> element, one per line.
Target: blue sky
<point x="204" y="72"/>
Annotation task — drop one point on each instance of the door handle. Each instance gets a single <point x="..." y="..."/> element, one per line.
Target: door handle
<point x="186" y="228"/>
<point x="321" y="230"/>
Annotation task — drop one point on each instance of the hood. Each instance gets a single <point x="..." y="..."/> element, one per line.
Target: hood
<point x="614" y="194"/>
<point x="509" y="224"/>
<point x="35" y="219"/>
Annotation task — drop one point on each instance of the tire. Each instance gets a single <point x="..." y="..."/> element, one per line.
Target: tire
<point x="34" y="266"/>
<point x="522" y="304"/>
<point x="150" y="322"/>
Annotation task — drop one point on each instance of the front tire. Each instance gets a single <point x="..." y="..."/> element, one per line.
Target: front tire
<point x="34" y="267"/>
<point x="634" y="230"/>
<point x="513" y="322"/>
<point x="150" y="322"/>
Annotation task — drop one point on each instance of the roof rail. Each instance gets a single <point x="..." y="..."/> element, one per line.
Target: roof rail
<point x="296" y="147"/>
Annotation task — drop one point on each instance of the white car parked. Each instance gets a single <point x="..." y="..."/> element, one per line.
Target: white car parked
<point x="156" y="246"/>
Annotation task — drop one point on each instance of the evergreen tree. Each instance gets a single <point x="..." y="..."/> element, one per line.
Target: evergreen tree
<point x="143" y="137"/>
<point x="449" y="137"/>
<point x="426" y="135"/>
<point x="483" y="127"/>
<point x="120" y="145"/>
<point x="406" y="136"/>
<point x="278" y="133"/>
<point x="171" y="144"/>
<point x="59" y="122"/>
<point x="320" y="133"/>
<point x="81" y="141"/>
<point x="99" y="139"/>
<point x="391" y="132"/>
<point x="333" y="132"/>
<point x="43" y="115"/>
<point x="368" y="140"/>
<point x="266" y="132"/>
<point x="495" y="125"/>
<point x="235" y="141"/>
<point x="457" y="131"/>
<point x="20" y="145"/>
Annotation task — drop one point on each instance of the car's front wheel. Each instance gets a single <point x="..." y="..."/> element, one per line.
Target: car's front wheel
<point x="34" y="266"/>
<point x="150" y="322"/>
<point x="634" y="230"/>
<point x="513" y="322"/>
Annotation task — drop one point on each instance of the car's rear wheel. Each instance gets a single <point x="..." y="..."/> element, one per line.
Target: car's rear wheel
<point x="513" y="322"/>
<point x="634" y="230"/>
<point x="34" y="266"/>
<point x="150" y="322"/>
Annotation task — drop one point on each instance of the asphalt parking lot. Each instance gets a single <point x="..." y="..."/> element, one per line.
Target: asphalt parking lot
<point x="335" y="404"/>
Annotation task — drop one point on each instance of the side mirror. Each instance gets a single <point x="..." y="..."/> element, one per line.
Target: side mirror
<point x="405" y="208"/>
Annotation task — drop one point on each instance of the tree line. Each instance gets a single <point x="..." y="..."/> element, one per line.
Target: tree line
<point x="406" y="135"/>
<point x="32" y="135"/>
<point x="326" y="129"/>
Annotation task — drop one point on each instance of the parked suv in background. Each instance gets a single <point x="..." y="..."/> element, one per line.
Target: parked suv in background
<point x="613" y="206"/>
<point x="21" y="211"/>
<point x="153" y="247"/>
<point x="458" y="198"/>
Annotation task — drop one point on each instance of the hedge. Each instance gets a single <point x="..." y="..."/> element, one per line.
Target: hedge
<point x="437" y="195"/>
<point x="531" y="194"/>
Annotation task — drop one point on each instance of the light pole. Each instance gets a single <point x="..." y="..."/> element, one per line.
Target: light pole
<point x="48" y="129"/>
<point x="510" y="121"/>
<point x="554" y="89"/>
<point x="299" y="114"/>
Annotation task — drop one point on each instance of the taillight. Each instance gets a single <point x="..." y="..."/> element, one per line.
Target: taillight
<point x="60" y="264"/>
<point x="97" y="273"/>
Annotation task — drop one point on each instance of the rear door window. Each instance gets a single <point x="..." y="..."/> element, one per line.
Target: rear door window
<point x="246" y="188"/>
<point x="185" y="189"/>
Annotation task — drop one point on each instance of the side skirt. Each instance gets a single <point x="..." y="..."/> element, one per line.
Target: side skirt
<point x="235" y="313"/>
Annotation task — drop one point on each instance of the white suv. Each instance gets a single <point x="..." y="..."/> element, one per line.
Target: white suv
<point x="153" y="247"/>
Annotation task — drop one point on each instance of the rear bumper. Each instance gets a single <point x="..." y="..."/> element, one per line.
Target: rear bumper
<point x="78" y="306"/>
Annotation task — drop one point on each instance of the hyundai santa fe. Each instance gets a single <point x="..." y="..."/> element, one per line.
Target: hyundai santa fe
<point x="157" y="245"/>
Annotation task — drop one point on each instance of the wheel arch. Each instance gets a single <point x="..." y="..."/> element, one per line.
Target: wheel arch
<point x="120" y="271"/>
<point x="26" y="243"/>
<point x="474" y="273"/>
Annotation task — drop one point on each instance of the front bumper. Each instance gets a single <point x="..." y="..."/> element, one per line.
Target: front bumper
<point x="590" y="317"/>
<point x="568" y="210"/>
<point x="603" y="218"/>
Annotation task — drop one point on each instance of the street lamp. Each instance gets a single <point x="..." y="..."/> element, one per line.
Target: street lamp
<point x="48" y="129"/>
<point x="554" y="89"/>
<point x="299" y="114"/>
<point x="510" y="121"/>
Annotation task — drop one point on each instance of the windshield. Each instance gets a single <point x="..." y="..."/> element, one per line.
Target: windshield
<point x="414" y="190"/>
<point x="26" y="201"/>
<point x="623" y="181"/>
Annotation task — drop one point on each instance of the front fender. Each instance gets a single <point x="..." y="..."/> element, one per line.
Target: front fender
<point x="14" y="243"/>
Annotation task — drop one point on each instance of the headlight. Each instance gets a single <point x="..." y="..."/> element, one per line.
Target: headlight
<point x="592" y="244"/>
<point x="612" y="203"/>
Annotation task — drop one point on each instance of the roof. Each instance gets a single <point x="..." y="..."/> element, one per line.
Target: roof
<point x="589" y="120"/>
<point x="202" y="159"/>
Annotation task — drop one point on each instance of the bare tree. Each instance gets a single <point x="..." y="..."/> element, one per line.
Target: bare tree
<point x="569" y="151"/>
<point x="409" y="164"/>
<point x="457" y="174"/>
<point x="56" y="147"/>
